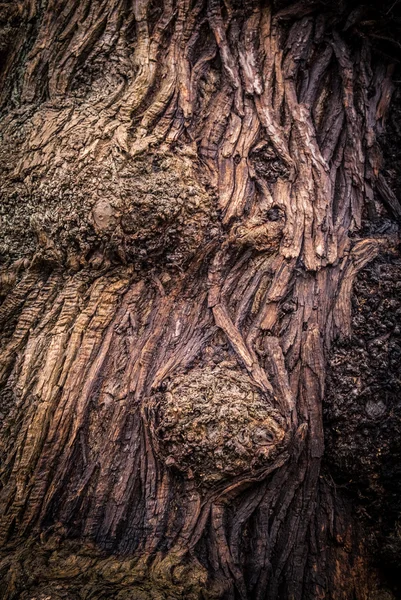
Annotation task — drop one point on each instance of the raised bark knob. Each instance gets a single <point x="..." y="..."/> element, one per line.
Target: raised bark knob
<point x="216" y="424"/>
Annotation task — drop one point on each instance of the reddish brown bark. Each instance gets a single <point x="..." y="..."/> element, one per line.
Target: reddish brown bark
<point x="186" y="183"/>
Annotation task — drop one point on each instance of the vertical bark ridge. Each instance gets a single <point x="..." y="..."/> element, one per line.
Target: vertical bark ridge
<point x="269" y="112"/>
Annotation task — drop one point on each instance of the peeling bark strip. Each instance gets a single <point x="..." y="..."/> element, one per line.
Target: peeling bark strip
<point x="185" y="183"/>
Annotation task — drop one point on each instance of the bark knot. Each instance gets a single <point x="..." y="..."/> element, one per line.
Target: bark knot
<point x="214" y="424"/>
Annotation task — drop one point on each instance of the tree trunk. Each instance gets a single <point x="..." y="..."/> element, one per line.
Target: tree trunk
<point x="184" y="186"/>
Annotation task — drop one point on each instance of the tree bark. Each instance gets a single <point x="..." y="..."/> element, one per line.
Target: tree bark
<point x="185" y="190"/>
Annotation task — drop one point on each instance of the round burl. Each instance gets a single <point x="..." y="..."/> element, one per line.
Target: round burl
<point x="215" y="423"/>
<point x="71" y="203"/>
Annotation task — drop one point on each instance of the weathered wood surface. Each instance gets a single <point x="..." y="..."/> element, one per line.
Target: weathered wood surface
<point x="187" y="183"/>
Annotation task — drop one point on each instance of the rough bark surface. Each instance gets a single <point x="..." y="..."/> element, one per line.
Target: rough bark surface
<point x="189" y="192"/>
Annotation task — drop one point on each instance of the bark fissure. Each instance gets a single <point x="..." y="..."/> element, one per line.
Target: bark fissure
<point x="206" y="168"/>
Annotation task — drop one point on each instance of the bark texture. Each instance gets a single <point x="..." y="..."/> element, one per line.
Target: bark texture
<point x="190" y="190"/>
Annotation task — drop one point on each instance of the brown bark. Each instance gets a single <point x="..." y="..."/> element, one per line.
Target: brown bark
<point x="186" y="183"/>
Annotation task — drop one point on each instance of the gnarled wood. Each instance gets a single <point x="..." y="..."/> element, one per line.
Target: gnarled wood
<point x="186" y="184"/>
